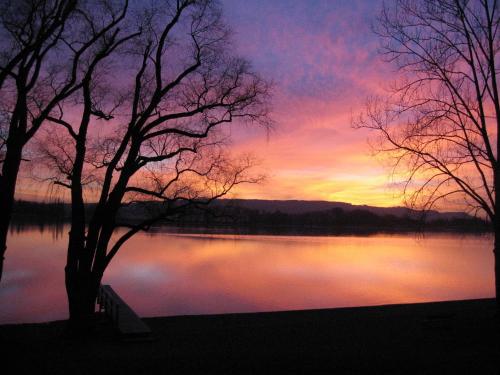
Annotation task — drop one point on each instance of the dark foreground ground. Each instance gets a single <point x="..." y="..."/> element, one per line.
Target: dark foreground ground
<point x="432" y="338"/>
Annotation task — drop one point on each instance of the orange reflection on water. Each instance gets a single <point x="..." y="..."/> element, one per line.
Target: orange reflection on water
<point x="172" y="274"/>
<point x="223" y="273"/>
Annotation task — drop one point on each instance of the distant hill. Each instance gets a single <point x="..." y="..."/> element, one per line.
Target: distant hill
<point x="295" y="207"/>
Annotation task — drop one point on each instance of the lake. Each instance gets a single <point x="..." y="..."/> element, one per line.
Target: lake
<point x="164" y="273"/>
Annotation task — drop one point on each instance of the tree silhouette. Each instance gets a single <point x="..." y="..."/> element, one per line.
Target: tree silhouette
<point x="150" y="113"/>
<point x="47" y="49"/>
<point x="440" y="123"/>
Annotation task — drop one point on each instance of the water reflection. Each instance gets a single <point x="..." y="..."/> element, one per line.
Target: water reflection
<point x="172" y="274"/>
<point x="54" y="228"/>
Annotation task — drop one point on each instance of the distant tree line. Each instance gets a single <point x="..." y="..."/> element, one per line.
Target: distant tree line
<point x="26" y="211"/>
<point x="332" y="220"/>
<point x="336" y="219"/>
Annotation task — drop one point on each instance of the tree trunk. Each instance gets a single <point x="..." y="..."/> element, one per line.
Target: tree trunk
<point x="496" y="255"/>
<point x="81" y="289"/>
<point x="8" y="179"/>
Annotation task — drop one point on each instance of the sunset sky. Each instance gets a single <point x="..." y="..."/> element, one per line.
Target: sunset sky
<point x="322" y="57"/>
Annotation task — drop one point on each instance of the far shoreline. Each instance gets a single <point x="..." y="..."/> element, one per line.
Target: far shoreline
<point x="307" y="231"/>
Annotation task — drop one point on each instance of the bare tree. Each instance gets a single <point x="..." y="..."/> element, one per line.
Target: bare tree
<point x="47" y="48"/>
<point x="174" y="88"/>
<point x="440" y="123"/>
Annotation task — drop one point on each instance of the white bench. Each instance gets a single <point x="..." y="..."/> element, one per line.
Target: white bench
<point x="126" y="321"/>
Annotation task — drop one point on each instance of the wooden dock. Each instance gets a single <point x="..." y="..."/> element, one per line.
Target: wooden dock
<point x="126" y="321"/>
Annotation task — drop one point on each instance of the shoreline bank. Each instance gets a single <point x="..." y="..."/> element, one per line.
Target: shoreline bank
<point x="424" y="338"/>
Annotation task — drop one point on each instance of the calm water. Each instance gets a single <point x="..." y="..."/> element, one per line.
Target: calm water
<point x="173" y="274"/>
